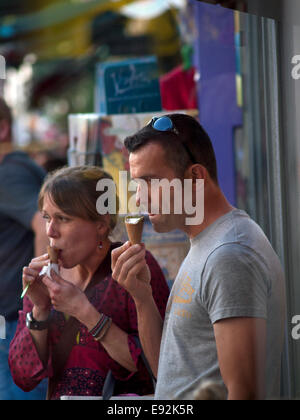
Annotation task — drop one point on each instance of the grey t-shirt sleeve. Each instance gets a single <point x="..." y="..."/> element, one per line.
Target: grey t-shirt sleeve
<point x="19" y="194"/>
<point x="234" y="283"/>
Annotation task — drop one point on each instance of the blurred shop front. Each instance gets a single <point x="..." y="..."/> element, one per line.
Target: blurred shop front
<point x="82" y="78"/>
<point x="230" y="66"/>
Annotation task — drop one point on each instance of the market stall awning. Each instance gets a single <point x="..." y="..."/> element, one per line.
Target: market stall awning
<point x="74" y="28"/>
<point x="55" y="14"/>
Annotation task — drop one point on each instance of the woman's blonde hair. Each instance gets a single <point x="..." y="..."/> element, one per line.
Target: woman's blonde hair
<point x="73" y="191"/>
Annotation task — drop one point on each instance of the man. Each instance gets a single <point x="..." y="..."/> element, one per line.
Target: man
<point x="225" y="315"/>
<point x="22" y="235"/>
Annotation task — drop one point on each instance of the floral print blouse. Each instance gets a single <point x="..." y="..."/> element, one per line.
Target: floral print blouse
<point x="88" y="363"/>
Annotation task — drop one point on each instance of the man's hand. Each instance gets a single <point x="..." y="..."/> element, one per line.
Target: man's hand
<point x="130" y="270"/>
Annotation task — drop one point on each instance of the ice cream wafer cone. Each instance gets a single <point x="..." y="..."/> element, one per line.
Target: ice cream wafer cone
<point x="134" y="226"/>
<point x="53" y="254"/>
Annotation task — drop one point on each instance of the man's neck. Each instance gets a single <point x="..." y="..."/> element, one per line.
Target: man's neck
<point x="215" y="206"/>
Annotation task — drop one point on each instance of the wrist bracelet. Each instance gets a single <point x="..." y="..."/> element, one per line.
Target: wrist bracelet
<point x="100" y="327"/>
<point x="99" y="323"/>
<point x="104" y="330"/>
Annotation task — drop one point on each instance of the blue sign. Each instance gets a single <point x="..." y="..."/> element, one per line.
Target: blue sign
<point x="126" y="87"/>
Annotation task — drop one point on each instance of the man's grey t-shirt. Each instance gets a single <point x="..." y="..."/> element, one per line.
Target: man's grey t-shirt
<point x="231" y="271"/>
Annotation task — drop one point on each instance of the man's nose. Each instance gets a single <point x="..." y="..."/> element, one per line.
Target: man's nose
<point x="138" y="196"/>
<point x="143" y="196"/>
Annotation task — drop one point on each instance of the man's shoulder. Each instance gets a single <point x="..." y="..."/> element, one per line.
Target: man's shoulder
<point x="235" y="239"/>
<point x="239" y="231"/>
<point x="233" y="228"/>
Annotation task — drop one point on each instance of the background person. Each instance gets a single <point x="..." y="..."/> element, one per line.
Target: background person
<point x="226" y="312"/>
<point x="68" y="204"/>
<point x="22" y="235"/>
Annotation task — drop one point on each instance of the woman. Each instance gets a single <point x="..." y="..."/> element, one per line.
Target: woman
<point x="82" y="300"/>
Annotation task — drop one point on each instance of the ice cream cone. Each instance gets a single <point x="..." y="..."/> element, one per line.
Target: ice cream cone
<point x="134" y="226"/>
<point x="53" y="254"/>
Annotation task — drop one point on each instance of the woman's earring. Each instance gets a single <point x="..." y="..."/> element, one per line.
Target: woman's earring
<point x="100" y="246"/>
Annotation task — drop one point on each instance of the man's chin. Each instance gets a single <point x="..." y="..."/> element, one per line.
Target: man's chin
<point x="160" y="223"/>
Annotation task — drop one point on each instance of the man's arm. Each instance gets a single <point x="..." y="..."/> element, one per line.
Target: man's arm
<point x="241" y="347"/>
<point x="150" y="326"/>
<point x="130" y="270"/>
<point x="41" y="240"/>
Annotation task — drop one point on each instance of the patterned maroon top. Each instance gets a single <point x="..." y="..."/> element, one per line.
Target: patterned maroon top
<point x="88" y="363"/>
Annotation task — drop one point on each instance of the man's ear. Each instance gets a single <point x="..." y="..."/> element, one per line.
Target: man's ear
<point x="195" y="172"/>
<point x="4" y="131"/>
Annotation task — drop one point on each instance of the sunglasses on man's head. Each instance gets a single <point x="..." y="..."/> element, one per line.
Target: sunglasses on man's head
<point x="165" y="123"/>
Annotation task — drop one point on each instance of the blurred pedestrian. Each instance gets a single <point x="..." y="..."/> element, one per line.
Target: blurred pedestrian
<point x="22" y="235"/>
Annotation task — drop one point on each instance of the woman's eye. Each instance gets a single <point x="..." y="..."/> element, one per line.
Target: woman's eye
<point x="63" y="219"/>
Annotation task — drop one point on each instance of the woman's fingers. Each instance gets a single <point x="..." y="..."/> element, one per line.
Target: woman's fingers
<point x="52" y="286"/>
<point x="32" y="272"/>
<point x="43" y="257"/>
<point x="29" y="275"/>
<point x="38" y="265"/>
<point x="65" y="296"/>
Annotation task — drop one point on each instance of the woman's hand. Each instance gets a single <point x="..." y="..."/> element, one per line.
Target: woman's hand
<point x="65" y="296"/>
<point x="37" y="292"/>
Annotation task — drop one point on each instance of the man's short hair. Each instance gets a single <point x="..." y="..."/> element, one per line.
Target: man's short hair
<point x="191" y="133"/>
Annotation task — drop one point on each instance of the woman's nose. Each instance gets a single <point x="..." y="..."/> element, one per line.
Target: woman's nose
<point x="51" y="230"/>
